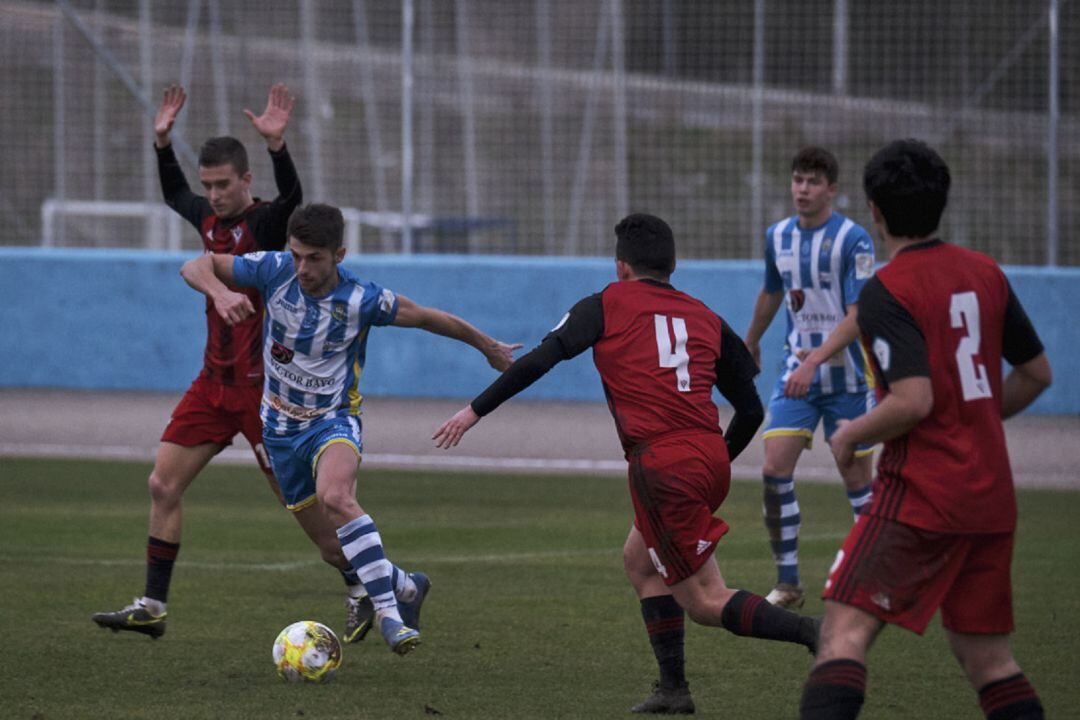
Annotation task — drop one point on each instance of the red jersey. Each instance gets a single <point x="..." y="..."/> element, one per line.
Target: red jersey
<point x="657" y="359"/>
<point x="659" y="352"/>
<point x="233" y="355"/>
<point x="946" y="313"/>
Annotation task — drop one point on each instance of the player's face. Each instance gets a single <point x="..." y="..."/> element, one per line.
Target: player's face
<point x="316" y="267"/>
<point x="812" y="195"/>
<point x="227" y="190"/>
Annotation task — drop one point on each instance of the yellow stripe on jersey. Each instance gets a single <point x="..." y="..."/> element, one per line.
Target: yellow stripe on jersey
<point x="868" y="372"/>
<point x="355" y="398"/>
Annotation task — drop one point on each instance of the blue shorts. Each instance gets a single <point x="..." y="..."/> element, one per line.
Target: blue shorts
<point x="295" y="457"/>
<point x="800" y="416"/>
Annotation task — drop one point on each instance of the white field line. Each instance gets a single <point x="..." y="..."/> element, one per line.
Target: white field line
<point x="488" y="558"/>
<point x="243" y="456"/>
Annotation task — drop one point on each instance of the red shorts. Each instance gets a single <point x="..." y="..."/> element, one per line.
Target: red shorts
<point x="676" y="484"/>
<point x="211" y="412"/>
<point x="902" y="574"/>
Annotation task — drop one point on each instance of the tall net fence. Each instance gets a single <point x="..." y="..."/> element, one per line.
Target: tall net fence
<point x="531" y="127"/>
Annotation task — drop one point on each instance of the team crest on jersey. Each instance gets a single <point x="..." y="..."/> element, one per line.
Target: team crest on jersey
<point x="864" y="265"/>
<point x="386" y="300"/>
<point x="826" y="245"/>
<point x="883" y="353"/>
<point x="339" y="311"/>
<point x="796" y="299"/>
<point x="281" y="353"/>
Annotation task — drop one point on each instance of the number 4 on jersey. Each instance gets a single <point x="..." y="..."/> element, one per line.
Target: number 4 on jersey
<point x="673" y="357"/>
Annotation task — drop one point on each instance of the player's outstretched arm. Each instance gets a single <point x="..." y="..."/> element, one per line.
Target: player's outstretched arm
<point x="451" y="432"/>
<point x="171" y="104"/>
<point x="208" y="274"/>
<point x="499" y="355"/>
<point x="275" y="118"/>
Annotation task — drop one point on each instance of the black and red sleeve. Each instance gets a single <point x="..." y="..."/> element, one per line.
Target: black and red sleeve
<point x="176" y="191"/>
<point x="576" y="332"/>
<point x="897" y="345"/>
<point x="1020" y="342"/>
<point x="269" y="222"/>
<point x="735" y="372"/>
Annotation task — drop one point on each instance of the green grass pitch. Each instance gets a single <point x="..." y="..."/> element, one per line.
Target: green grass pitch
<point x="529" y="617"/>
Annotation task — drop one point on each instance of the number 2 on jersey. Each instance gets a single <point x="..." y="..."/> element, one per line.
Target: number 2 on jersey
<point x="673" y="357"/>
<point x="964" y="313"/>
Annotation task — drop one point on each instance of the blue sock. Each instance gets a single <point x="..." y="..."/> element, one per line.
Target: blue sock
<point x="362" y="546"/>
<point x="782" y="519"/>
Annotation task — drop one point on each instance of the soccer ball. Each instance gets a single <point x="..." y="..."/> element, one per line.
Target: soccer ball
<point x="307" y="651"/>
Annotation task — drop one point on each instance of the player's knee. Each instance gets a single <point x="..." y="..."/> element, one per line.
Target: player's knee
<point x="983" y="665"/>
<point x="704" y="610"/>
<point x="162" y="490"/>
<point x="636" y="571"/>
<point x="336" y="502"/>
<point x="774" y="468"/>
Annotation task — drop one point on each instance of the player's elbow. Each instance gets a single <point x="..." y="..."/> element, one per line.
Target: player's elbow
<point x="187" y="270"/>
<point x="914" y="398"/>
<point x="1038" y="371"/>
<point x="920" y="406"/>
<point x="753" y="414"/>
<point x="756" y="418"/>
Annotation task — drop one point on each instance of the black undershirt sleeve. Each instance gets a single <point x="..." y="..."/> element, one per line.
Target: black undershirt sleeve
<point x="1020" y="342"/>
<point x="269" y="222"/>
<point x="897" y="345"/>
<point x="735" y="372"/>
<point x="176" y="191"/>
<point x="578" y="331"/>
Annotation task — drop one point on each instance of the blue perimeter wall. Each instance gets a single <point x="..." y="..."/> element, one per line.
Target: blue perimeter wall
<point x="125" y="320"/>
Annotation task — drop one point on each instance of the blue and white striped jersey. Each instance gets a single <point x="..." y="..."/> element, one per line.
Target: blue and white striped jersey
<point x="821" y="271"/>
<point x="313" y="348"/>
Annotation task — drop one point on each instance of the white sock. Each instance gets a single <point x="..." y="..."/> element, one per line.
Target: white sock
<point x="154" y="607"/>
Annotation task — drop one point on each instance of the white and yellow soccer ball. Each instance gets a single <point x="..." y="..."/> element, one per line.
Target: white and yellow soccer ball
<point x="307" y="651"/>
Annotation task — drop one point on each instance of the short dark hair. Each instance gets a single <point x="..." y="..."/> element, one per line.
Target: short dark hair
<point x="224" y="151"/>
<point x="909" y="183"/>
<point x="646" y="244"/>
<point x="815" y="159"/>
<point x="318" y="225"/>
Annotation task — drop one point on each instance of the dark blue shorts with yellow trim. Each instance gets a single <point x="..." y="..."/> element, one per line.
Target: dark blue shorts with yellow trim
<point x="295" y="457"/>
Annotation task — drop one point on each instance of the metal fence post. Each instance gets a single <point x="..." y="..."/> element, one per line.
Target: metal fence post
<point x="407" y="18"/>
<point x="1052" y="139"/>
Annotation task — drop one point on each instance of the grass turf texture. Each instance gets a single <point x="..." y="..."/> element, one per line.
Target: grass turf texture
<point x="530" y="615"/>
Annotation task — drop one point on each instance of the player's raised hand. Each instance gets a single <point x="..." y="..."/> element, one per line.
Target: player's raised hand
<point x="500" y="355"/>
<point x="275" y="118"/>
<point x="171" y="104"/>
<point x="233" y="307"/>
<point x="453" y="429"/>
